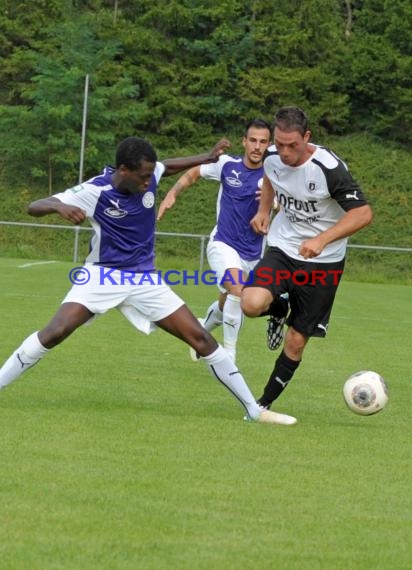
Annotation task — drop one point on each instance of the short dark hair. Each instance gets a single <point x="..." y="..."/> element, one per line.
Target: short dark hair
<point x="131" y="151"/>
<point x="291" y="119"/>
<point x="258" y="124"/>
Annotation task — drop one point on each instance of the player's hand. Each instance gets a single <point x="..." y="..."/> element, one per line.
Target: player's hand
<point x="73" y="214"/>
<point x="260" y="223"/>
<point x="168" y="202"/>
<point x="312" y="247"/>
<point x="219" y="148"/>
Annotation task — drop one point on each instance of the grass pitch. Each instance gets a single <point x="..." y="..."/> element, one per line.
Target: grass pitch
<point x="118" y="452"/>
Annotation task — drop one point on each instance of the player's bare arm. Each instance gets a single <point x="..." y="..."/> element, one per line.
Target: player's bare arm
<point x="352" y="221"/>
<point x="175" y="165"/>
<point x="52" y="205"/>
<point x="260" y="222"/>
<point x="186" y="180"/>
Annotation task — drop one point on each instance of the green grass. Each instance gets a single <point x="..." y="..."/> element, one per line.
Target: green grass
<point x="118" y="452"/>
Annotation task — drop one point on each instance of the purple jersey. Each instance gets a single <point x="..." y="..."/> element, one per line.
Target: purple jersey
<point x="123" y="224"/>
<point x="236" y="204"/>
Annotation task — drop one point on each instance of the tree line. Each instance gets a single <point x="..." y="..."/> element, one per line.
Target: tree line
<point x="183" y="72"/>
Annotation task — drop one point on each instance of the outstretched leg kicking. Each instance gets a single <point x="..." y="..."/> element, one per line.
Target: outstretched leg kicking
<point x="67" y="319"/>
<point x="185" y="326"/>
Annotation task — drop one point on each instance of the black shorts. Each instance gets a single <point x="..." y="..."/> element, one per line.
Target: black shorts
<point x="311" y="287"/>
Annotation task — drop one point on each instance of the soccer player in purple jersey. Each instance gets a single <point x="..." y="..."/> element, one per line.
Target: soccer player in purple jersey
<point x="234" y="247"/>
<point x="120" y="204"/>
<point x="321" y="205"/>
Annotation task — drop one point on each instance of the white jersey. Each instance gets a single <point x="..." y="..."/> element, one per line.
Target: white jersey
<point x="312" y="198"/>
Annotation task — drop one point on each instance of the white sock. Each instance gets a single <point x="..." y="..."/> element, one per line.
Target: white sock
<point x="213" y="318"/>
<point x="28" y="354"/>
<point x="225" y="370"/>
<point x="232" y="323"/>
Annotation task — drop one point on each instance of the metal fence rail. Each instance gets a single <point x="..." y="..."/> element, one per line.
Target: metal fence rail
<point x="78" y="229"/>
<point x="203" y="238"/>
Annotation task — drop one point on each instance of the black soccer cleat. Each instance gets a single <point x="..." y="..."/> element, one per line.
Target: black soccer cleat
<point x="274" y="333"/>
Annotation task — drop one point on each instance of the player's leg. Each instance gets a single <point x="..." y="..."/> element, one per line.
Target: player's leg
<point x="212" y="320"/>
<point x="266" y="294"/>
<point x="182" y="324"/>
<point x="311" y="306"/>
<point x="255" y="302"/>
<point x="258" y="302"/>
<point x="67" y="319"/>
<point x="232" y="272"/>
<point x="232" y="312"/>
<point x="214" y="314"/>
<point x="285" y="367"/>
<point x="160" y="305"/>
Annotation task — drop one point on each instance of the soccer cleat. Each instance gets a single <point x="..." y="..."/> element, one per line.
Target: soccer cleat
<point x="274" y="333"/>
<point x="193" y="354"/>
<point x="268" y="417"/>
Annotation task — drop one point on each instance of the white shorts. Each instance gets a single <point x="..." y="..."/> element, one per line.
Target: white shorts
<point x="222" y="257"/>
<point x="136" y="295"/>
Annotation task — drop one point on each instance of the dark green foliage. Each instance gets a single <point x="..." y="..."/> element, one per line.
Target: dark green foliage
<point x="185" y="72"/>
<point x="181" y="72"/>
<point x="380" y="89"/>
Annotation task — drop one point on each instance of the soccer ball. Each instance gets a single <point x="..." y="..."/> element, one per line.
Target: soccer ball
<point x="365" y="392"/>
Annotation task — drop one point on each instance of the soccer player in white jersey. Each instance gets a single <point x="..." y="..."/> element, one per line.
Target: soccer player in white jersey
<point x="320" y="206"/>
<point x="234" y="247"/>
<point x="119" y="271"/>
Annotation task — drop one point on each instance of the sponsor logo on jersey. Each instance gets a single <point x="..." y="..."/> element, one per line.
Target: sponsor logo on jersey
<point x="148" y="200"/>
<point x="354" y="195"/>
<point x="116" y="211"/>
<point x="291" y="203"/>
<point x="235" y="182"/>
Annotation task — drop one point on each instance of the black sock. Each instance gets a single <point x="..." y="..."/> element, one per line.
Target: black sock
<point x="282" y="374"/>
<point x="278" y="308"/>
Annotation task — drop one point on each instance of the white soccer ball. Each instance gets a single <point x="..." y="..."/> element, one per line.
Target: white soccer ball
<point x="365" y="392"/>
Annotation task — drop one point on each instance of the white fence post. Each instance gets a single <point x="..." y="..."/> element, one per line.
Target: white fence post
<point x="76" y="243"/>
